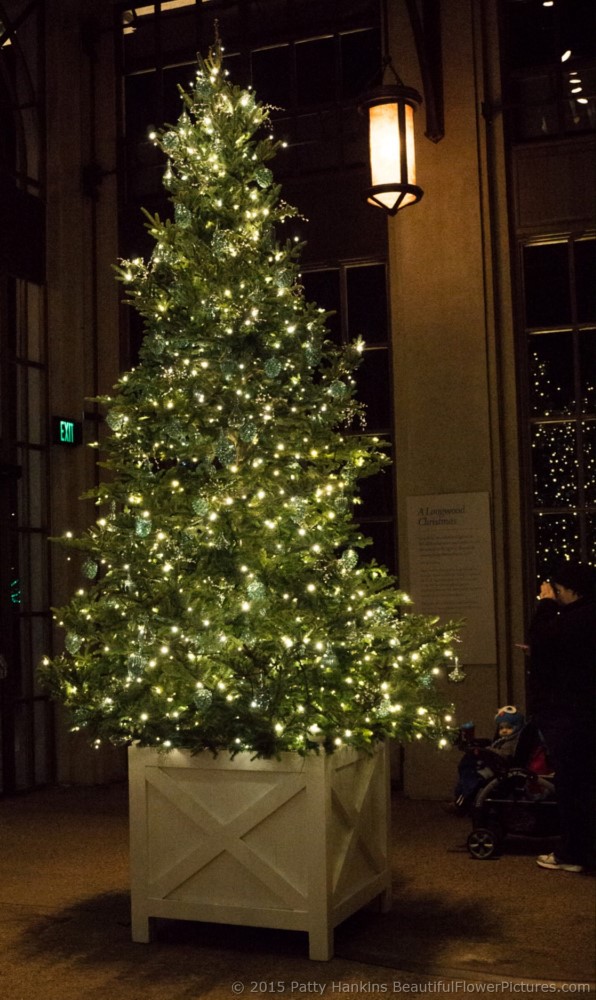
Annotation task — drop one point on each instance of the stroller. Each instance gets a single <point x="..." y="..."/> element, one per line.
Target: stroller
<point x="519" y="800"/>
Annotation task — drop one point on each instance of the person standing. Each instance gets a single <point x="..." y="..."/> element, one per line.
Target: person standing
<point x="562" y="701"/>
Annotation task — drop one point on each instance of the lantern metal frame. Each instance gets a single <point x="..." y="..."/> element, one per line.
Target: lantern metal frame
<point x="402" y="97"/>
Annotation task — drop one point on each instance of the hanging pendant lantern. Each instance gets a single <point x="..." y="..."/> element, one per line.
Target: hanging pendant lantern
<point x="390" y="111"/>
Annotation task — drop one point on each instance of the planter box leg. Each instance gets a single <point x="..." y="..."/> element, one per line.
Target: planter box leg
<point x="140" y="926"/>
<point x="320" y="943"/>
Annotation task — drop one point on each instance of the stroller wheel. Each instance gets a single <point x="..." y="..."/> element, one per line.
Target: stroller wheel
<point x="483" y="843"/>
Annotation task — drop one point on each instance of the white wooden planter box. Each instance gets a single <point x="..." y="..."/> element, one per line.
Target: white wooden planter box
<point x="300" y="843"/>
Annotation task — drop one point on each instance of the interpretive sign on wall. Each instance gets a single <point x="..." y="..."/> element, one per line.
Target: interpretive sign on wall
<point x="451" y="566"/>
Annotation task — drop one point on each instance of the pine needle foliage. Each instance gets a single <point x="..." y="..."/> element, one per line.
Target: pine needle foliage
<point x="226" y="604"/>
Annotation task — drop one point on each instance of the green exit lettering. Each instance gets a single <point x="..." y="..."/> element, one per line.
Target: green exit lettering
<point x="67" y="431"/>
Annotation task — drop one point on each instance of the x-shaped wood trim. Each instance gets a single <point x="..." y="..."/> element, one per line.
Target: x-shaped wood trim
<point x="219" y="837"/>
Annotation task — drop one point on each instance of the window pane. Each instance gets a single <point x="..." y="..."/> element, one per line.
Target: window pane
<point x="314" y="141"/>
<point x="376" y="493"/>
<point x="546" y="280"/>
<point x="315" y="71"/>
<point x="179" y="31"/>
<point x="535" y="106"/>
<point x="554" y="465"/>
<point x="531" y="39"/>
<point x="360" y="61"/>
<point x="36" y="487"/>
<point x="272" y="75"/>
<point x="367" y="304"/>
<point x="140" y="44"/>
<point x="587" y="370"/>
<point x="382" y="550"/>
<point x="374" y="390"/>
<point x="551" y="374"/>
<point x="37" y="416"/>
<point x="172" y="102"/>
<point x="322" y="288"/>
<point x="33" y="327"/>
<point x="140" y="97"/>
<point x="557" y="536"/>
<point x="585" y="280"/>
<point x="38" y="636"/>
<point x="589" y="453"/>
<point x="37" y="598"/>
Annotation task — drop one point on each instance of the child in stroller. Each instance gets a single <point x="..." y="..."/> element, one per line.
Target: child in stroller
<point x="483" y="759"/>
<point x="514" y="793"/>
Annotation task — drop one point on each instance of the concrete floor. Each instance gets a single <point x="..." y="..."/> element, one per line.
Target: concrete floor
<point x="457" y="925"/>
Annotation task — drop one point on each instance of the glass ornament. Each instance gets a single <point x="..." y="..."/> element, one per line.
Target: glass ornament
<point x="200" y="506"/>
<point x="90" y="569"/>
<point x="341" y="505"/>
<point x="142" y="527"/>
<point x="182" y="215"/>
<point x="299" y="509"/>
<point x="73" y="642"/>
<point x="226" y="451"/>
<point x="169" y="140"/>
<point x="202" y="698"/>
<point x="178" y="432"/>
<point x="263" y="177"/>
<point x="285" y="279"/>
<point x="136" y="664"/>
<point x="329" y="659"/>
<point x="116" y="420"/>
<point x="220" y="243"/>
<point x="256" y="590"/>
<point x="312" y="354"/>
<point x="338" y="389"/>
<point x="202" y="87"/>
<point x="248" y="431"/>
<point x="228" y="369"/>
<point x="457" y="675"/>
<point x="349" y="558"/>
<point x="272" y="367"/>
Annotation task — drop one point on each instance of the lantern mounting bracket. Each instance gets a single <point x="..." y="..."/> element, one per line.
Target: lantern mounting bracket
<point x="425" y="19"/>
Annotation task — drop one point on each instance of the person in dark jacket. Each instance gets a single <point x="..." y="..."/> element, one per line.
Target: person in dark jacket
<point x="562" y="701"/>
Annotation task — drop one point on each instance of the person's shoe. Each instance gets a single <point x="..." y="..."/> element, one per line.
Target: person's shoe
<point x="550" y="861"/>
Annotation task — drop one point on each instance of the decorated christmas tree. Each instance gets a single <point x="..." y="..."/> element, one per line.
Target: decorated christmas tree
<point x="226" y="603"/>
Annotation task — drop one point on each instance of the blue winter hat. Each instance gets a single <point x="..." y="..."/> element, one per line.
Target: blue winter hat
<point x="509" y="716"/>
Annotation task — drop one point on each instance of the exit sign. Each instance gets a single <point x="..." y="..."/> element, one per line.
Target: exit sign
<point x="67" y="432"/>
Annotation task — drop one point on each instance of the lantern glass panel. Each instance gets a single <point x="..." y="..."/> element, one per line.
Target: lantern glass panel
<point x="386" y="132"/>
